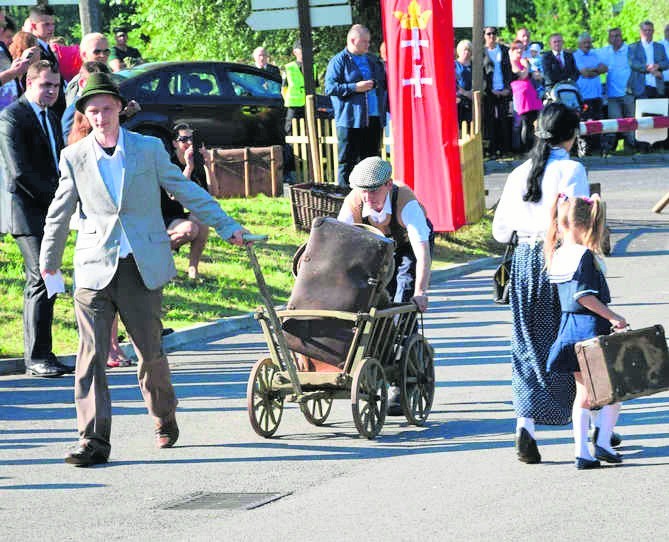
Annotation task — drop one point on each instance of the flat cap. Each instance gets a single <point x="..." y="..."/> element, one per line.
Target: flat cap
<point x="370" y="173"/>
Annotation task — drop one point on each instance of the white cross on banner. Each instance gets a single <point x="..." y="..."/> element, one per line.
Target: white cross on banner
<point x="417" y="81"/>
<point x="415" y="43"/>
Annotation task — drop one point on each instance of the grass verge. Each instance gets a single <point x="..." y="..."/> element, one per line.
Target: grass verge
<point x="226" y="286"/>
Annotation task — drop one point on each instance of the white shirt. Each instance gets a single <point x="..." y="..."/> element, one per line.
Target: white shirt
<point x="665" y="73"/>
<point x="412" y="216"/>
<point x="495" y="56"/>
<point x="52" y="139"/>
<point x="529" y="219"/>
<point x="112" y="171"/>
<point x="650" y="59"/>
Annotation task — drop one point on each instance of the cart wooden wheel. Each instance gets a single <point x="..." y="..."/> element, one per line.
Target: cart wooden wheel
<point x="316" y="411"/>
<point x="265" y="405"/>
<point x="369" y="397"/>
<point x="417" y="380"/>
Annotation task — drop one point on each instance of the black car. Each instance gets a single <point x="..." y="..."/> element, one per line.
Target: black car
<point x="229" y="105"/>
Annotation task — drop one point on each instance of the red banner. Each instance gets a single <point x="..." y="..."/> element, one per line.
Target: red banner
<point x="421" y="87"/>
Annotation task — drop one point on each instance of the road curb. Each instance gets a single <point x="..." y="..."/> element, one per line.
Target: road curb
<point x="235" y="324"/>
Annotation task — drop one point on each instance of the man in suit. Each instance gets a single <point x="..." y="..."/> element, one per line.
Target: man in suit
<point x="30" y="143"/>
<point x="647" y="59"/>
<point x="122" y="259"/>
<point x="42" y="19"/>
<point x="559" y="65"/>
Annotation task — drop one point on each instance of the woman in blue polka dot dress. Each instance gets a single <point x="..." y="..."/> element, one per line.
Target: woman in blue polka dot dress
<point x="539" y="397"/>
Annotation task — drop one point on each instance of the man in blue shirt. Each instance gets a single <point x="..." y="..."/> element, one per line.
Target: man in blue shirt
<point x="620" y="104"/>
<point x="589" y="84"/>
<point x="355" y="80"/>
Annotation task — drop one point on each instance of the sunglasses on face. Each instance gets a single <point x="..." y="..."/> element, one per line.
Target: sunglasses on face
<point x="184" y="139"/>
<point x="101" y="51"/>
<point x="491" y="33"/>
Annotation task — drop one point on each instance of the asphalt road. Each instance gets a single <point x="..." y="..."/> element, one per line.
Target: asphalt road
<point x="457" y="478"/>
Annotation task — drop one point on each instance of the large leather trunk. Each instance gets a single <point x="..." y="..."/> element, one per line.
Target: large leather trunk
<point x="624" y="365"/>
<point x="343" y="268"/>
<point x="245" y="172"/>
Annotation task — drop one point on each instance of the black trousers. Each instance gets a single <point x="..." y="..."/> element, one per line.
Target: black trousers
<point x="497" y="123"/>
<point x="37" y="307"/>
<point x="356" y="144"/>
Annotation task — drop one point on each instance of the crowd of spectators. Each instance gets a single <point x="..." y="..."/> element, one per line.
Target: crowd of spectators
<point x="518" y="77"/>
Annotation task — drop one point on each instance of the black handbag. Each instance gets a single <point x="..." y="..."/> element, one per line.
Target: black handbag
<point x="501" y="280"/>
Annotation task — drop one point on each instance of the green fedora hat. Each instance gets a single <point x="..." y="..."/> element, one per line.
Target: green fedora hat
<point x="99" y="83"/>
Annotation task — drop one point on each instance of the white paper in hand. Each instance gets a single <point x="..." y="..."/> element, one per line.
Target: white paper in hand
<point x="54" y="284"/>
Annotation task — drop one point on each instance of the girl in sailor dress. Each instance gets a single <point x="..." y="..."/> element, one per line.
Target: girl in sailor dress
<point x="578" y="271"/>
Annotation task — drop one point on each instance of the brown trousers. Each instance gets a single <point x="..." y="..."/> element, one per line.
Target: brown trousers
<point x="139" y="309"/>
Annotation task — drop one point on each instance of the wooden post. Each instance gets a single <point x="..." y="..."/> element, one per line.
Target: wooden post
<point x="272" y="170"/>
<point x="477" y="116"/>
<point x="247" y="172"/>
<point x="477" y="45"/>
<point x="664" y="201"/>
<point x="314" y="148"/>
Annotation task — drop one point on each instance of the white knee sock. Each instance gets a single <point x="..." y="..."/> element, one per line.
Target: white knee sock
<point x="594" y="418"/>
<point x="607" y="420"/>
<point x="525" y="423"/>
<point x="580" y="418"/>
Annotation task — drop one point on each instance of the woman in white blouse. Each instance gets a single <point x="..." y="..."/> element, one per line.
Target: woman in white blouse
<point x="524" y="207"/>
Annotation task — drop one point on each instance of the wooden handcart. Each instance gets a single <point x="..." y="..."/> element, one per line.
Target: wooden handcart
<point x="386" y="347"/>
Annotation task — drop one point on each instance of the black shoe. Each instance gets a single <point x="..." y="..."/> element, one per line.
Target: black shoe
<point x="526" y="448"/>
<point x="87" y="454"/>
<point x="394" y="405"/>
<point x="45" y="369"/>
<point x="166" y="331"/>
<point x="585" y="464"/>
<point x="67" y="369"/>
<point x="616" y="439"/>
<point x="608" y="457"/>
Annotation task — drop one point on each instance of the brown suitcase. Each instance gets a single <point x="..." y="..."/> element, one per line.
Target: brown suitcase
<point x="624" y="365"/>
<point x="343" y="268"/>
<point x="245" y="172"/>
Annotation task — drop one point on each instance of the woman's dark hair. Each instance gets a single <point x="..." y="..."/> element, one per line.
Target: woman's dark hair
<point x="557" y="124"/>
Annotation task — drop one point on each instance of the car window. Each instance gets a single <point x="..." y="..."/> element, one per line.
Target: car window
<point x="200" y="83"/>
<point x="149" y="88"/>
<point x="251" y="84"/>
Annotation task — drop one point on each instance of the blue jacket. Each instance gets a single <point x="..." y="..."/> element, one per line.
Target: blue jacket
<point x="350" y="107"/>
<point x="636" y="85"/>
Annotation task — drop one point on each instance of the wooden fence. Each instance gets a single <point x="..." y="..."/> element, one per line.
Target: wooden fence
<point x="471" y="157"/>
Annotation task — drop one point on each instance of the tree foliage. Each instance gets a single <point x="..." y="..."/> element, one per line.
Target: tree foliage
<point x="572" y="17"/>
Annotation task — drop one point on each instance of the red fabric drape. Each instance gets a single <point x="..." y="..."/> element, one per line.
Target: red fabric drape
<point x="421" y="85"/>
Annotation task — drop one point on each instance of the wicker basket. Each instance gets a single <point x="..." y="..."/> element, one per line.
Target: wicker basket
<point x="309" y="201"/>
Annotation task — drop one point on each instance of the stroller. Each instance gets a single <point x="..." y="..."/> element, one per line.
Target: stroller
<point x="567" y="93"/>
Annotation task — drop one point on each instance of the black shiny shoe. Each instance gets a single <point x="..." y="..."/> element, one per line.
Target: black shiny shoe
<point x="616" y="439"/>
<point x="586" y="464"/>
<point x="87" y="454"/>
<point x="608" y="457"/>
<point x="526" y="448"/>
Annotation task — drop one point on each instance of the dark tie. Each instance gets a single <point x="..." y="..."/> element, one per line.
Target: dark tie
<point x="559" y="59"/>
<point x="43" y="118"/>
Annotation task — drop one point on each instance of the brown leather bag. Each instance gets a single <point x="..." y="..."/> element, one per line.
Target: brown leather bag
<point x="343" y="268"/>
<point x="245" y="172"/>
<point x="624" y="365"/>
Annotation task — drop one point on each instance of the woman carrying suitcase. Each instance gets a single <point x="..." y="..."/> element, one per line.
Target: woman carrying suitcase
<point x="577" y="270"/>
